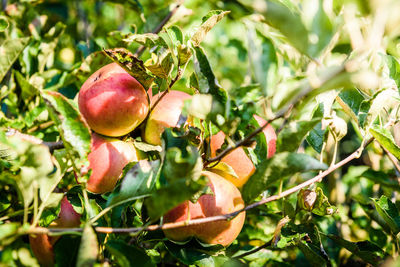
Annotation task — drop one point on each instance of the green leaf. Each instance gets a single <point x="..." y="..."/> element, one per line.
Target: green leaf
<point x="27" y="89"/>
<point x="9" y="52"/>
<point x="175" y="34"/>
<point x="312" y="254"/>
<point x="365" y="250"/>
<point x="288" y="22"/>
<point x="3" y="24"/>
<point x="8" y="232"/>
<point x="277" y="168"/>
<point x="394" y="67"/>
<point x="134" y="66"/>
<point x="147" y="39"/>
<point x="352" y="98"/>
<point x="316" y="137"/>
<point x="74" y="131"/>
<point x="182" y="163"/>
<point x="321" y="30"/>
<point x="89" y="248"/>
<point x="385" y="138"/>
<point x="137" y="183"/>
<point x="389" y="212"/>
<point x="382" y="178"/>
<point x="36" y="169"/>
<point x="66" y="257"/>
<point x="173" y="194"/>
<point x="292" y="135"/>
<point x="207" y="81"/>
<point x="209" y="21"/>
<point x="127" y="255"/>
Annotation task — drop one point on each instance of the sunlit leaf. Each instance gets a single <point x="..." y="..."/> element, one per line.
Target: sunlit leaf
<point x="9" y="52"/>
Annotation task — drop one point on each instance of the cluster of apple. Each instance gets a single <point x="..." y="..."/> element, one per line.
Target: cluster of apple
<point x="114" y="104"/>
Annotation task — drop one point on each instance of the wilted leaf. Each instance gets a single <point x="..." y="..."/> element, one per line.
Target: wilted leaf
<point x="161" y="65"/>
<point x="147" y="39"/>
<point x="315" y="201"/>
<point x="9" y="52"/>
<point x="277" y="168"/>
<point x="209" y="21"/>
<point x="131" y="64"/>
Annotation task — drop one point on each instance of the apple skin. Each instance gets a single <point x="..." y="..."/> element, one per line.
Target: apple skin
<point x="238" y="159"/>
<point x="42" y="245"/>
<point x="226" y="199"/>
<point x="165" y="115"/>
<point x="107" y="160"/>
<point x="112" y="102"/>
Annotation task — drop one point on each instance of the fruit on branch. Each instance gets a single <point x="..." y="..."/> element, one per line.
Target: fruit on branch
<point x="42" y="244"/>
<point x="107" y="160"/>
<point x="165" y="114"/>
<point x="238" y="159"/>
<point x="113" y="102"/>
<point x="226" y="199"/>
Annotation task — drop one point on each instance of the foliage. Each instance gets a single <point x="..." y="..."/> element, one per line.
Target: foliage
<point x="324" y="73"/>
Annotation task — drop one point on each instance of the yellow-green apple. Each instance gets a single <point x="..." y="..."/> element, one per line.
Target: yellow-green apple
<point x="42" y="244"/>
<point x="107" y="159"/>
<point x="226" y="199"/>
<point x="113" y="102"/>
<point x="164" y="115"/>
<point x="238" y="159"/>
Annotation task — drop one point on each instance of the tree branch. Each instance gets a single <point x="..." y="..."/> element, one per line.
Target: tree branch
<point x="224" y="217"/>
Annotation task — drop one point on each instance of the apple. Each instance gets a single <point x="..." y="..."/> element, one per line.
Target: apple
<point x="42" y="244"/>
<point x="226" y="199"/>
<point x="107" y="160"/>
<point x="238" y="159"/>
<point x="112" y="102"/>
<point x="164" y="115"/>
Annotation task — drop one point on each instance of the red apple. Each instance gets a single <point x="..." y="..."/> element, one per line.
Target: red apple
<point x="113" y="102"/>
<point x="226" y="199"/>
<point x="238" y="159"/>
<point x="42" y="245"/>
<point x="165" y="115"/>
<point x="107" y="160"/>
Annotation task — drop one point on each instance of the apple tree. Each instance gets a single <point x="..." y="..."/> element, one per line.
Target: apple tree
<point x="199" y="133"/>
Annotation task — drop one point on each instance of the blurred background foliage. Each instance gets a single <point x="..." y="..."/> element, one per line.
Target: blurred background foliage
<point x="262" y="62"/>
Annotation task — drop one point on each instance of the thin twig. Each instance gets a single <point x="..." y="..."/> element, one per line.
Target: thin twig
<point x="253" y="250"/>
<point x="223" y="217"/>
<point x="281" y="113"/>
<point x="392" y="158"/>
<point x="159" y="27"/>
<point x="173" y="81"/>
